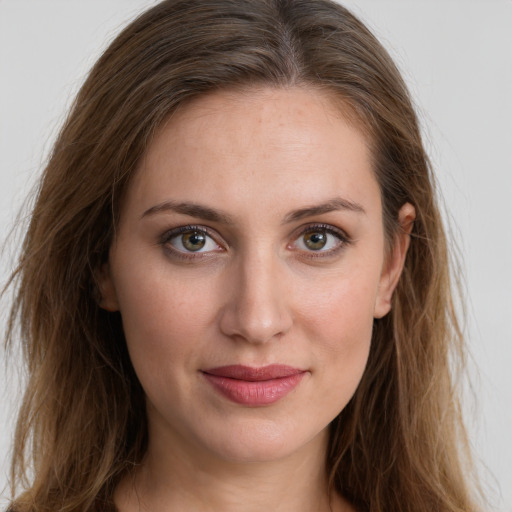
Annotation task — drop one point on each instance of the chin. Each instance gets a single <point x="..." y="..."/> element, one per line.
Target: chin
<point x="258" y="442"/>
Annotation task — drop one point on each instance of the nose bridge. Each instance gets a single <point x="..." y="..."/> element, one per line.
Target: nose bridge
<point x="257" y="309"/>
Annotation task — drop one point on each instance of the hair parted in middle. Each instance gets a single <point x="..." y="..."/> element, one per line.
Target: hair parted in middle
<point x="394" y="447"/>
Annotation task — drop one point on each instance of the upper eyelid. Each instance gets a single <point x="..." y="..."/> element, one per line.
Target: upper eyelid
<point x="167" y="236"/>
<point x="325" y="227"/>
<point x="220" y="240"/>
<point x="173" y="232"/>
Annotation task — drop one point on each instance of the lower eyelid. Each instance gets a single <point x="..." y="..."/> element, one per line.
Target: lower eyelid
<point x="177" y="237"/>
<point x="166" y="241"/>
<point x="342" y="240"/>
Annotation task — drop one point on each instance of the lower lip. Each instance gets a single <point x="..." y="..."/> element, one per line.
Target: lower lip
<point x="254" y="393"/>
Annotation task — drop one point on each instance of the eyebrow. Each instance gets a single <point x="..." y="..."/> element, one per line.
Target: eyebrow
<point x="332" y="205"/>
<point x="213" y="215"/>
<point x="190" y="209"/>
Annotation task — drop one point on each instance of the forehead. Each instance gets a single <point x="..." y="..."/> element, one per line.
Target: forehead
<point x="304" y="114"/>
<point x="261" y="147"/>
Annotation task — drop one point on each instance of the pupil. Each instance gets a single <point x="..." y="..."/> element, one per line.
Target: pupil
<point x="194" y="241"/>
<point x="316" y="241"/>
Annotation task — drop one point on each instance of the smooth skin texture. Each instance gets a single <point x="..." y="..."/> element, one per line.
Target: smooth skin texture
<point x="251" y="234"/>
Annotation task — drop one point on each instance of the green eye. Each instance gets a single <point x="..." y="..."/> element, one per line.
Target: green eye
<point x="193" y="241"/>
<point x="315" y="240"/>
<point x="321" y="239"/>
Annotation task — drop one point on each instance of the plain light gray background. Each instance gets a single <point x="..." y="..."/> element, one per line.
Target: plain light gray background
<point x="456" y="56"/>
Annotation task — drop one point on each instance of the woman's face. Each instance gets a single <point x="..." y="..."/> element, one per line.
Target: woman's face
<point x="248" y="267"/>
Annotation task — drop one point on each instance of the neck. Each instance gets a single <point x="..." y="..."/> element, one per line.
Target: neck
<point x="177" y="477"/>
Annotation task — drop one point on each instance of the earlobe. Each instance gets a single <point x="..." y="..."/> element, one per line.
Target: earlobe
<point x="108" y="296"/>
<point x="395" y="261"/>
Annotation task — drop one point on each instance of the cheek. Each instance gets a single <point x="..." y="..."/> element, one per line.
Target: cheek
<point x="167" y="323"/>
<point x="342" y="309"/>
<point x="339" y="323"/>
<point x="165" y="318"/>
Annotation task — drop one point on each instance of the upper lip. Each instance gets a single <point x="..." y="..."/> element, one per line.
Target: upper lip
<point x="254" y="374"/>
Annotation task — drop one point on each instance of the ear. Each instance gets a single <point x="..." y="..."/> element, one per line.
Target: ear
<point x="394" y="263"/>
<point x="108" y="295"/>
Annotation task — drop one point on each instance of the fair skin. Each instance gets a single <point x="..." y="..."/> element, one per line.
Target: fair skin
<point x="251" y="236"/>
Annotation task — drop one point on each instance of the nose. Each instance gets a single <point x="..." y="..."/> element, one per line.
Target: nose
<point x="257" y="308"/>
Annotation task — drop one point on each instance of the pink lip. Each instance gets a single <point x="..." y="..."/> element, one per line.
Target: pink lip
<point x="254" y="386"/>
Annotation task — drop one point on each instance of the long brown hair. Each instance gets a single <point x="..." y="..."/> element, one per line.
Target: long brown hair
<point x="400" y="444"/>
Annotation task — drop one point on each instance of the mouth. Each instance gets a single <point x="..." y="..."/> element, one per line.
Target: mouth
<point x="252" y="386"/>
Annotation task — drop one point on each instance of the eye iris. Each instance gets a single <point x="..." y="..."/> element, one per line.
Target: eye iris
<point x="315" y="240"/>
<point x="193" y="241"/>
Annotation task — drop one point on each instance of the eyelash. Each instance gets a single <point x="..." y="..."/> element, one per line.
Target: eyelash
<point x="343" y="241"/>
<point x="186" y="255"/>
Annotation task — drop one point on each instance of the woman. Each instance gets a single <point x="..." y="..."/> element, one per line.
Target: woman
<point x="245" y="302"/>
